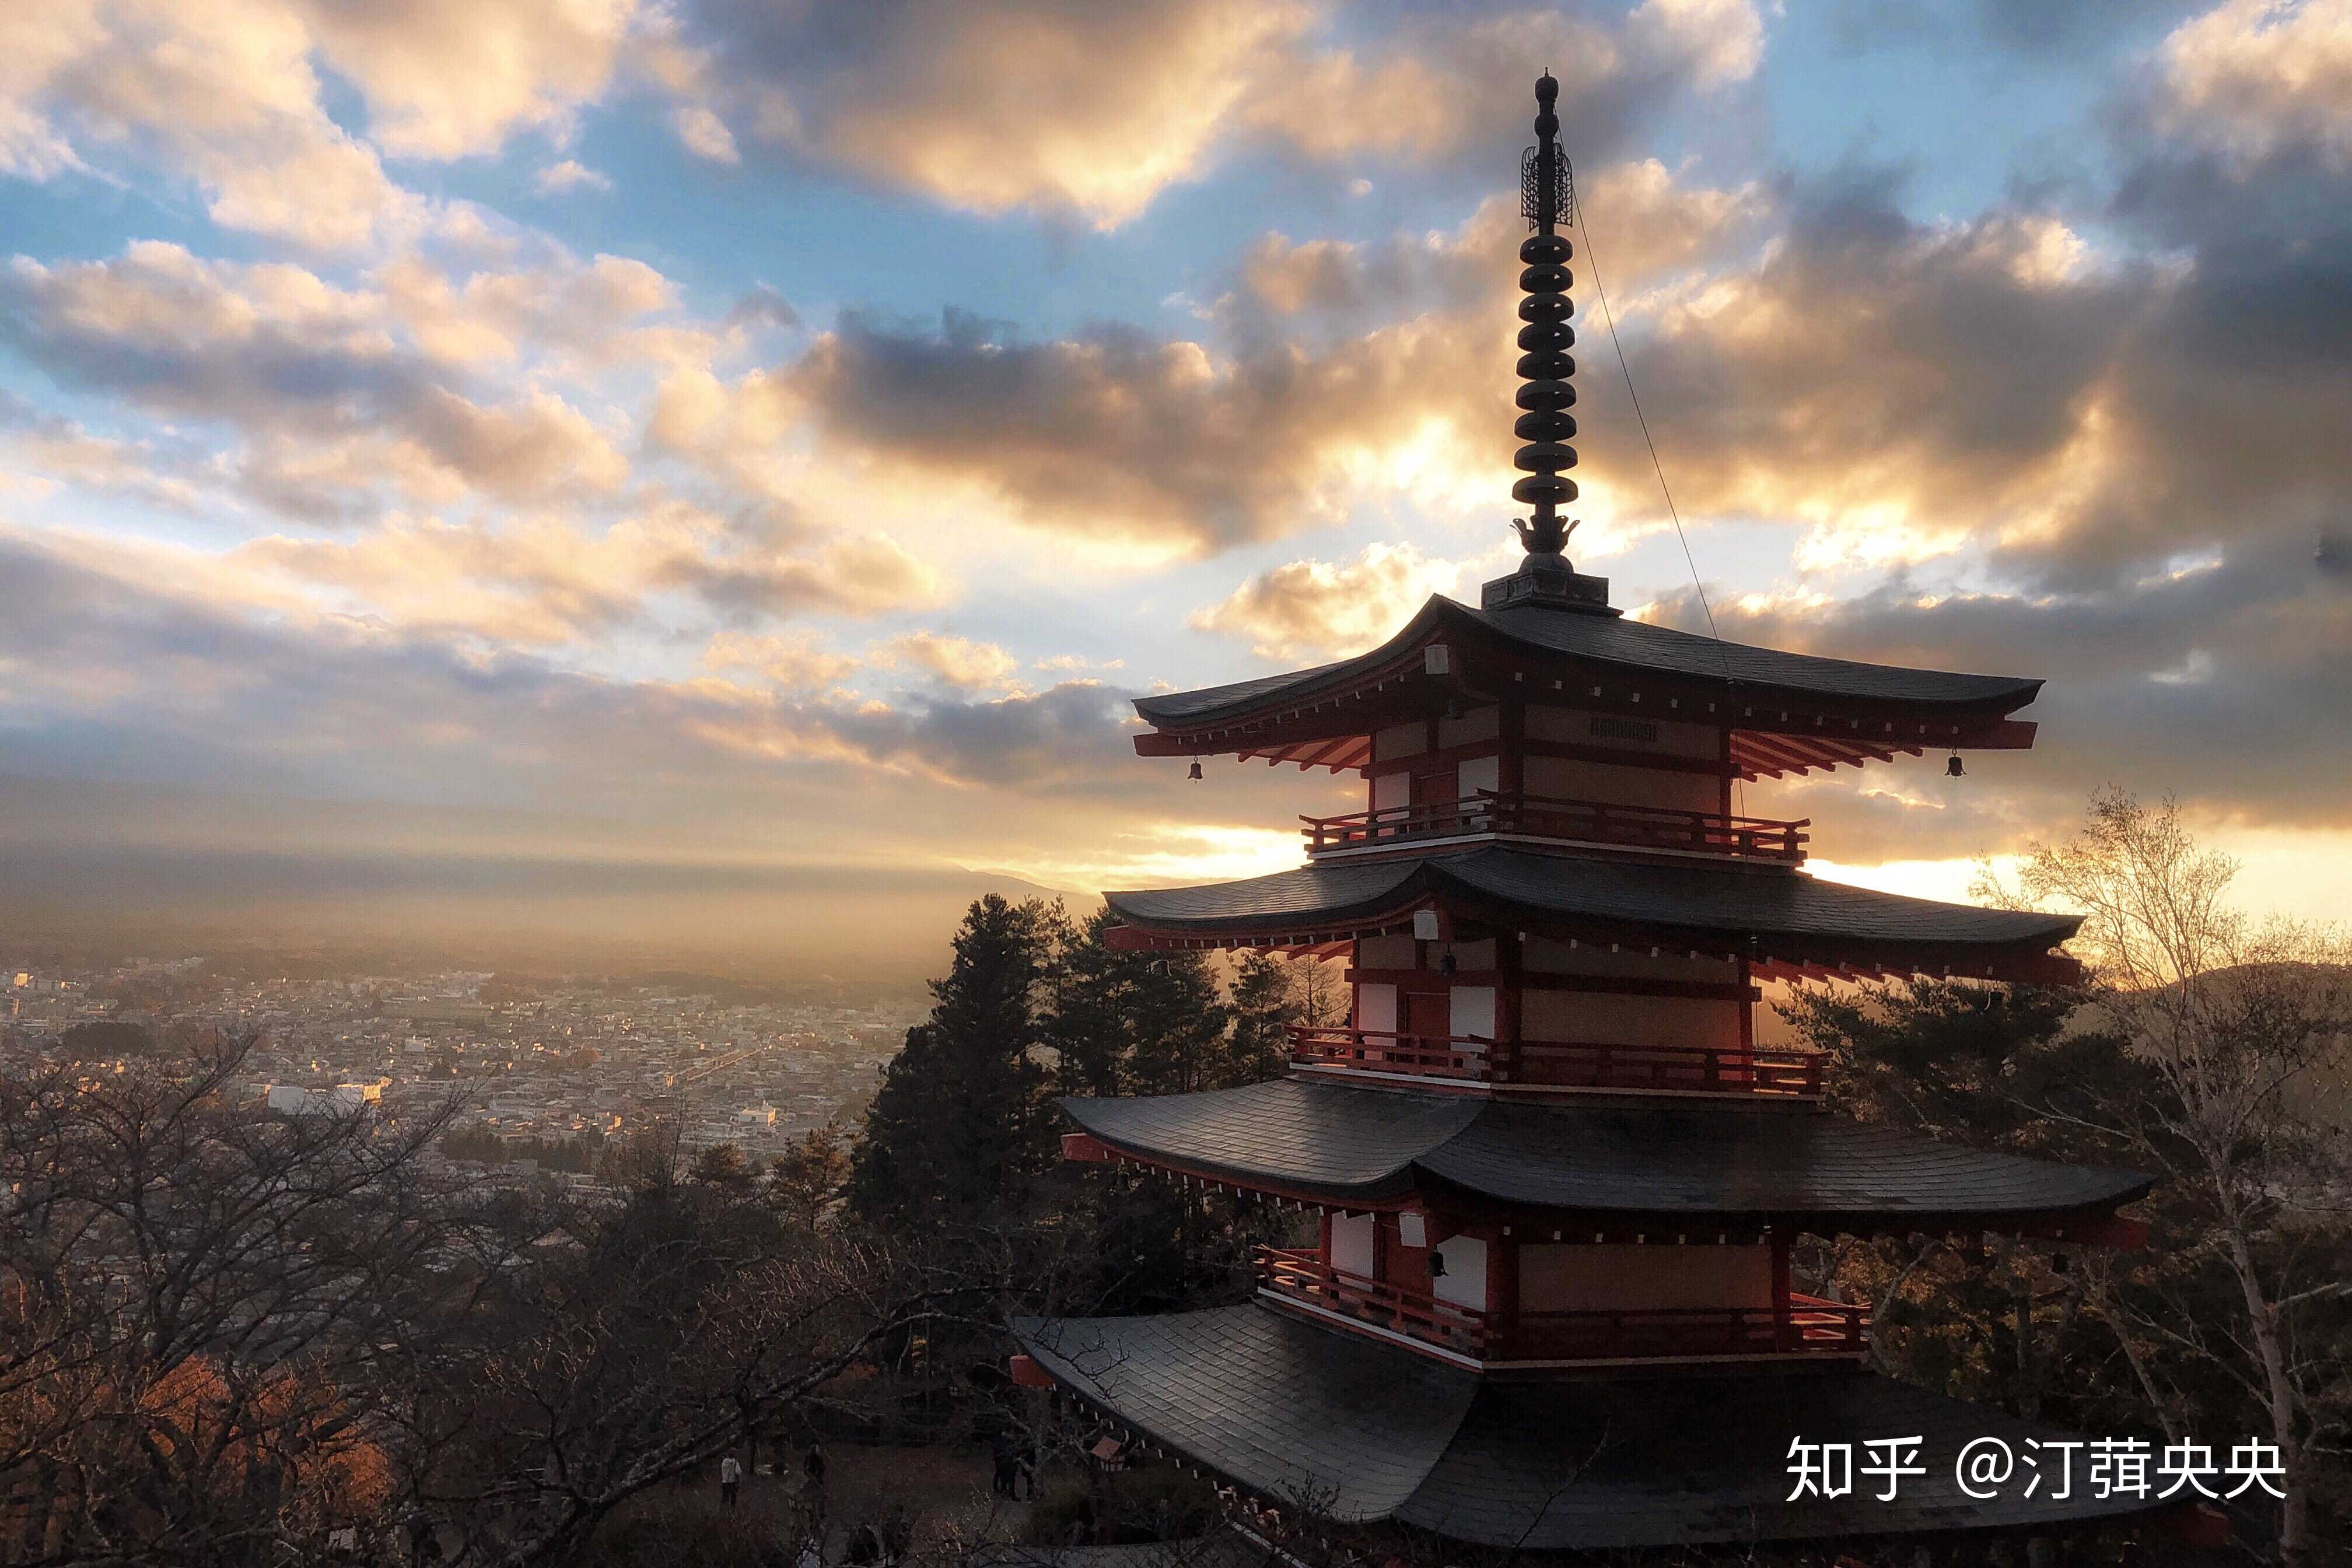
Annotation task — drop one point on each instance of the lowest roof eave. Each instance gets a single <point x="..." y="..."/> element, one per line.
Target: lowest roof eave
<point x="1366" y="1433"/>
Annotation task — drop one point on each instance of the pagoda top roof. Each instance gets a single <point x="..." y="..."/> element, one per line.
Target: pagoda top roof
<point x="1616" y="642"/>
<point x="1368" y="1433"/>
<point x="1693" y="1164"/>
<point x="1766" y="913"/>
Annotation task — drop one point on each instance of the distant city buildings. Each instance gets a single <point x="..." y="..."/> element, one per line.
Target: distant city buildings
<point x="558" y="1065"/>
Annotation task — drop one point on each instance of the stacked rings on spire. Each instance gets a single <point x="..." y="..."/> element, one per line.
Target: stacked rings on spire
<point x="1545" y="366"/>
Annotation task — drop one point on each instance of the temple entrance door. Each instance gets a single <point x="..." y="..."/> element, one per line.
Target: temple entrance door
<point x="1428" y="1014"/>
<point x="1433" y="793"/>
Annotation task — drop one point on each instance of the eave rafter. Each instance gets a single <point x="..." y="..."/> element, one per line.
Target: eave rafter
<point x="1481" y="1212"/>
<point x="1772" y="956"/>
<point x="1772" y="733"/>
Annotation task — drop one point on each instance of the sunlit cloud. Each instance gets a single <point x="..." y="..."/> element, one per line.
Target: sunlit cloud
<point x="322" y="477"/>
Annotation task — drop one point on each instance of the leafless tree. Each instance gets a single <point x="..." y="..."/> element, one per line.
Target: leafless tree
<point x="2236" y="1036"/>
<point x="189" y="1291"/>
<point x="641" y="1347"/>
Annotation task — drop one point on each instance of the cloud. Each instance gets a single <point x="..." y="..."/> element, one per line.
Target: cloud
<point x="590" y="311"/>
<point x="796" y="660"/>
<point x="1316" y="606"/>
<point x="1331" y="373"/>
<point x="227" y="94"/>
<point x="178" y="684"/>
<point x="2252" y="77"/>
<point x="761" y="306"/>
<point x="1446" y="85"/>
<point x="338" y="392"/>
<point x="1097" y="109"/>
<point x="45" y="451"/>
<point x="954" y="661"/>
<point x="571" y="174"/>
<point x="445" y="78"/>
<point x="2242" y="655"/>
<point x="1115" y="435"/>
<point x="862" y="574"/>
<point x="706" y="135"/>
<point x="223" y="93"/>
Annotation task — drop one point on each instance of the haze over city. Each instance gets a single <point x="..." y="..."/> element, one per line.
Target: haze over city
<point x="699" y="484"/>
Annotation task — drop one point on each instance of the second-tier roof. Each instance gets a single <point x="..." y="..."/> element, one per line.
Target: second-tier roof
<point x="1681" y="1163"/>
<point x="1740" y="911"/>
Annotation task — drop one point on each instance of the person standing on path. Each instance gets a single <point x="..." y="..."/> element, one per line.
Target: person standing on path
<point x="730" y="1479"/>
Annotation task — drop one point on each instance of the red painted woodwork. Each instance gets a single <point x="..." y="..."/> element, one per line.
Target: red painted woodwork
<point x="1027" y="1374"/>
<point x="1434" y="790"/>
<point x="1808" y="1325"/>
<point x="1086" y="1148"/>
<point x="1436" y="815"/>
<point x="1407" y="1267"/>
<point x="1559" y="1064"/>
<point x="1428" y="1014"/>
<point x="2192" y="1524"/>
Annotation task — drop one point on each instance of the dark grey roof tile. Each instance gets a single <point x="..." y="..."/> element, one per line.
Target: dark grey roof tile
<point x="1373" y="1432"/>
<point x="1680" y="1162"/>
<point x="1615" y="642"/>
<point x="1723" y="900"/>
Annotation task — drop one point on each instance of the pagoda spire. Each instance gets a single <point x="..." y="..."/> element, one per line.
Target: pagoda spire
<point x="1545" y="364"/>
<point x="1547" y="196"/>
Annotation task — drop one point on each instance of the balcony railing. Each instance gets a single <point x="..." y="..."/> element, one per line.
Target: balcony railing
<point x="1811" y="1324"/>
<point x="1545" y="816"/>
<point x="1561" y="1063"/>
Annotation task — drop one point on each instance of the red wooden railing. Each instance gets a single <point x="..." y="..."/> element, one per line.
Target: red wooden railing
<point x="1811" y="1324"/>
<point x="1548" y="816"/>
<point x="1561" y="1064"/>
<point x="1302" y="1276"/>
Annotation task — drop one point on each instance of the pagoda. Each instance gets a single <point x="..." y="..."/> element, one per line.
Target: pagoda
<point x="1556" y="1179"/>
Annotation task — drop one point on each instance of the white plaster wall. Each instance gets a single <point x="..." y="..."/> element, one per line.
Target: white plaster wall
<point x="1569" y="1277"/>
<point x="1548" y="956"/>
<point x="1391" y="789"/>
<point x="1376" y="1008"/>
<point x="1400" y="741"/>
<point x="1604" y="1019"/>
<point x="1387" y="952"/>
<point x="1479" y="724"/>
<point x="1676" y="738"/>
<point x="1474" y="954"/>
<point x="1564" y="778"/>
<point x="1351" y="1243"/>
<point x="1474" y="1010"/>
<point x="1464" y="1283"/>
<point x="1476" y="774"/>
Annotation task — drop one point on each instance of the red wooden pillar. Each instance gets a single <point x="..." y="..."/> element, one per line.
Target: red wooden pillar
<point x="1510" y="760"/>
<point x="1783" y="1331"/>
<point x="1502" y="1293"/>
<point x="1510" y="994"/>
<point x="1746" y="1005"/>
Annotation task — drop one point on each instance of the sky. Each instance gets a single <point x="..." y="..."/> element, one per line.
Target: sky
<point x="708" y="477"/>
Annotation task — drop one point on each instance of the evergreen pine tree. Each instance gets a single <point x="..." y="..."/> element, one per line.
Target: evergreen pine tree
<point x="957" y="1126"/>
<point x="1265" y="1004"/>
<point x="1136" y="1022"/>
